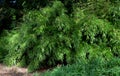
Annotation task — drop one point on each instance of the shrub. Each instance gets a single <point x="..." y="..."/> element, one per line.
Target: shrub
<point x="48" y="37"/>
<point x="47" y="34"/>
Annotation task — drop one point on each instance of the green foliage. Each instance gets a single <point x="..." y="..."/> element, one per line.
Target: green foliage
<point x="41" y="38"/>
<point x="39" y="35"/>
<point x="94" y="67"/>
<point x="3" y="51"/>
<point x="95" y="30"/>
<point x="114" y="15"/>
<point x="9" y="18"/>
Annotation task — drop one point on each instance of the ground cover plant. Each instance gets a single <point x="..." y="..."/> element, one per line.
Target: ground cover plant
<point x="95" y="67"/>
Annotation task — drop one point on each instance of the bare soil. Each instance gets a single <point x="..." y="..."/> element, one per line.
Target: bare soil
<point x="13" y="71"/>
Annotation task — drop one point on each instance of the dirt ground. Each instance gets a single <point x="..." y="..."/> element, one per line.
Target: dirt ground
<point x="13" y="71"/>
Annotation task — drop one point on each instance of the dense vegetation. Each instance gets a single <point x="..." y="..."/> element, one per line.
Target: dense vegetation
<point x="82" y="34"/>
<point x="94" y="67"/>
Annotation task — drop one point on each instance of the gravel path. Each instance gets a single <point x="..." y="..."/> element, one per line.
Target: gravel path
<point x="13" y="71"/>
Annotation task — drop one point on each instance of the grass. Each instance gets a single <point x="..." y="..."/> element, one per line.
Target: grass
<point x="93" y="67"/>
